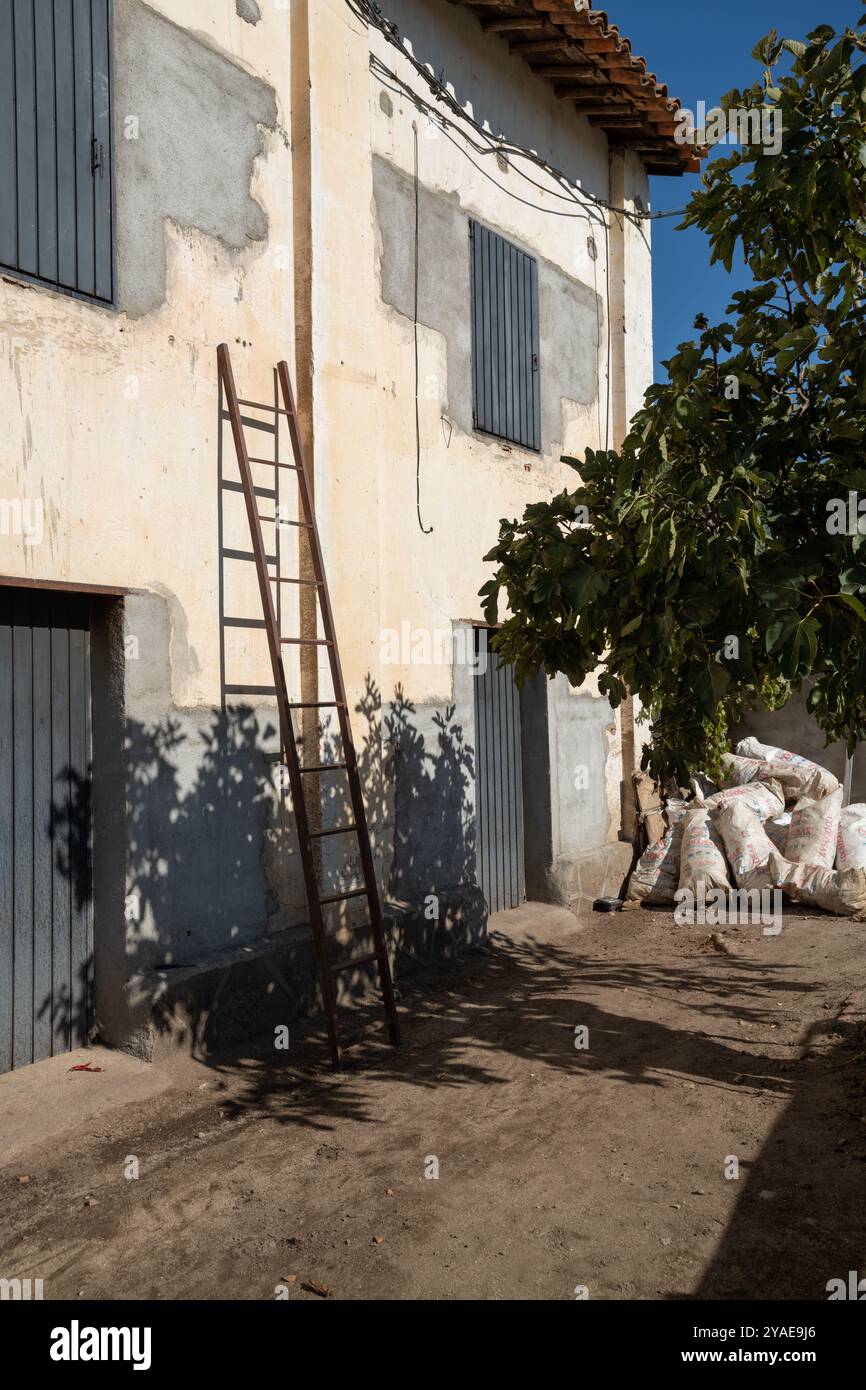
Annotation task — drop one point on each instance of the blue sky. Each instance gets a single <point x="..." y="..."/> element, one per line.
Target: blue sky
<point x="701" y="51"/>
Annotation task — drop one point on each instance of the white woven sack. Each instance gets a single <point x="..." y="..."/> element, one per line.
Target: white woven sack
<point x="851" y="841"/>
<point x="747" y="845"/>
<point x="814" y="830"/>
<point x="702" y="855"/>
<point x="764" y="799"/>
<point x="799" y="776"/>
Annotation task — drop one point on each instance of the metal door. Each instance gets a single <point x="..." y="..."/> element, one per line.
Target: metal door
<point x="46" y="932"/>
<point x="498" y="781"/>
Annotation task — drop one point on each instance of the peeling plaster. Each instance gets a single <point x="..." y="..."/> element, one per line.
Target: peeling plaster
<point x="571" y="313"/>
<point x="189" y="154"/>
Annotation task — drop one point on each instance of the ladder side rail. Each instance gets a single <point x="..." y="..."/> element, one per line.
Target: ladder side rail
<point x="286" y="727"/>
<point x="349" y="755"/>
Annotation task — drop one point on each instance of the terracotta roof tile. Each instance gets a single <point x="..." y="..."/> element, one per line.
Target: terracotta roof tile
<point x="591" y="64"/>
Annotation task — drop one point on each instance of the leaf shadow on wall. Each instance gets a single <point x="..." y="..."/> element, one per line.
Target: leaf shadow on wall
<point x="213" y="859"/>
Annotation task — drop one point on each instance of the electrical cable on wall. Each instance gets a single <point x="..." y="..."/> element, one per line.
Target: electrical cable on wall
<point x="585" y="205"/>
<point x="370" y="14"/>
<point x="401" y="88"/>
<point x="591" y="214"/>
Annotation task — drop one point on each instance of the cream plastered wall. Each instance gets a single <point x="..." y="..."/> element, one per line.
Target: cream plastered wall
<point x="469" y="481"/>
<point x="110" y="417"/>
<point x="390" y="576"/>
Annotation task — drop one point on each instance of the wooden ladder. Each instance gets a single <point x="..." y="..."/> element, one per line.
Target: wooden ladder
<point x="298" y="773"/>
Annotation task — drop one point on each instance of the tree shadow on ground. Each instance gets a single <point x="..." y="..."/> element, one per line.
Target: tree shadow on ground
<point x="800" y="1219"/>
<point x="522" y="998"/>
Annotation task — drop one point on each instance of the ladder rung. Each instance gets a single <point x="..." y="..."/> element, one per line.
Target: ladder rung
<point x="244" y="622"/>
<point x="274" y="463"/>
<point x="341" y="897"/>
<point x="259" y="491"/>
<point x="313" y="583"/>
<point x="306" y="642"/>
<point x="281" y="521"/>
<point x="250" y="689"/>
<point x="252" y="424"/>
<point x="257" y="405"/>
<point x="350" y="964"/>
<point x="246" y="555"/>
<point x="324" y="767"/>
<point x="316" y="704"/>
<point x="337" y="830"/>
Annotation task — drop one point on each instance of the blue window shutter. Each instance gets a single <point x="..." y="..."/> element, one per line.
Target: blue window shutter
<point x="505" y="366"/>
<point x="56" y="218"/>
<point x="8" y="191"/>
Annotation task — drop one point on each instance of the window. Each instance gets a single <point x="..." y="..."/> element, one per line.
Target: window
<point x="55" y="143"/>
<point x="505" y="382"/>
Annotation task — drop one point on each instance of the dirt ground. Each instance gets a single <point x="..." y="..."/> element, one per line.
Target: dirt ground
<point x="559" y="1167"/>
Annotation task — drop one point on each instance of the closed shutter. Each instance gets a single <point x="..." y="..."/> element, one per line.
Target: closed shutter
<point x="55" y="143"/>
<point x="46" y="909"/>
<point x="507" y="400"/>
<point x="501" y="871"/>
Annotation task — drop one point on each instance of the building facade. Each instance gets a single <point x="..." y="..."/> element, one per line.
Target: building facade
<point x="434" y="215"/>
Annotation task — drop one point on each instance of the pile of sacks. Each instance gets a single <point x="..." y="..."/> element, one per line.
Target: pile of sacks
<point x="776" y="822"/>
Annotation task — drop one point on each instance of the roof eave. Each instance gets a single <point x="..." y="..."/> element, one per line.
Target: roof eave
<point x="590" y="64"/>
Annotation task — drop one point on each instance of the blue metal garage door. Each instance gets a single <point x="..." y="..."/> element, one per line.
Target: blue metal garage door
<point x="498" y="781"/>
<point x="46" y="931"/>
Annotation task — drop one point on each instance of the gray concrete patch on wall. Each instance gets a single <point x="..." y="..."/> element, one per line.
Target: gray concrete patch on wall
<point x="188" y="129"/>
<point x="248" y="11"/>
<point x="571" y="314"/>
<point x="578" y="757"/>
<point x="569" y="858"/>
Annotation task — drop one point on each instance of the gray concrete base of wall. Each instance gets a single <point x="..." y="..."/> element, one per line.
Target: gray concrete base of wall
<point x="598" y="873"/>
<point x="248" y="992"/>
